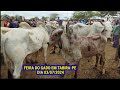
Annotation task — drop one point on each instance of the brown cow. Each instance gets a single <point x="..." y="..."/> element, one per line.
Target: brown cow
<point x="74" y="48"/>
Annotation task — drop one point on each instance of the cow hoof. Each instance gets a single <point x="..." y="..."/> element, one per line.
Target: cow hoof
<point x="75" y="77"/>
<point x="95" y="68"/>
<point x="102" y="73"/>
<point x="53" y="52"/>
<point x="10" y="76"/>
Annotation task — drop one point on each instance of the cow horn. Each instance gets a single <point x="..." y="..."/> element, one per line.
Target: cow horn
<point x="103" y="26"/>
<point x="102" y="23"/>
<point x="67" y="26"/>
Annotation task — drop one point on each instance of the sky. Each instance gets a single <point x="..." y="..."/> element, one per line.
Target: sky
<point x="39" y="14"/>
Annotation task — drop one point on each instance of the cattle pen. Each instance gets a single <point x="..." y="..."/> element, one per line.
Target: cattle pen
<point x="85" y="71"/>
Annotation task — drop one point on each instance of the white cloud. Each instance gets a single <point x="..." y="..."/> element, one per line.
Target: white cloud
<point x="29" y="14"/>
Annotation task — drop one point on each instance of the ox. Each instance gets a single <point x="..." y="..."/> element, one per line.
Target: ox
<point x="31" y="58"/>
<point x="17" y="44"/>
<point x="87" y="30"/>
<point x="96" y="27"/>
<point x="75" y="47"/>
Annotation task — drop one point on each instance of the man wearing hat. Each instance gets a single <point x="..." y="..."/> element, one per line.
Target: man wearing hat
<point x="60" y="24"/>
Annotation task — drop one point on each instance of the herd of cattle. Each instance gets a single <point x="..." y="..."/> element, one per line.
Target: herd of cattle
<point x="78" y="41"/>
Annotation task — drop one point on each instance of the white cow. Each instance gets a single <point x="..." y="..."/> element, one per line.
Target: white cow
<point x="88" y="30"/>
<point x="31" y="58"/>
<point x="17" y="44"/>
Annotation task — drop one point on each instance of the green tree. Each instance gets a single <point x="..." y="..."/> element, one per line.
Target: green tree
<point x="103" y="13"/>
<point x="5" y="17"/>
<point x="84" y="14"/>
<point x="53" y="16"/>
<point x="44" y="18"/>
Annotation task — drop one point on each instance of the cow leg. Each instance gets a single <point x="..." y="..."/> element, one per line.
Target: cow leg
<point x="60" y="46"/>
<point x="2" y="59"/>
<point x="100" y="60"/>
<point x="66" y="63"/>
<point x="36" y="55"/>
<point x="116" y="55"/>
<point x="10" y="75"/>
<point x="53" y="52"/>
<point x="17" y="69"/>
<point x="119" y="63"/>
<point x="76" y="71"/>
<point x="45" y="52"/>
<point x="18" y="62"/>
<point x="9" y="65"/>
<point x="103" y="63"/>
<point x="96" y="64"/>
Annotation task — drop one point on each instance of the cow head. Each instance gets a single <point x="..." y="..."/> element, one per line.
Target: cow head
<point x="55" y="36"/>
<point x="104" y="28"/>
<point x="49" y="29"/>
<point x="69" y="29"/>
<point x="40" y="23"/>
<point x="71" y="36"/>
<point x="107" y="31"/>
<point x="24" y="25"/>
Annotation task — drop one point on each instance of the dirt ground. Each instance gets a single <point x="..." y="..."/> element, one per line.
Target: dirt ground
<point x="85" y="70"/>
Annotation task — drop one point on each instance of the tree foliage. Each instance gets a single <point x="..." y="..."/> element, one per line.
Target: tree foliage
<point x="84" y="14"/>
<point x="44" y="18"/>
<point x="103" y="13"/>
<point x="53" y="16"/>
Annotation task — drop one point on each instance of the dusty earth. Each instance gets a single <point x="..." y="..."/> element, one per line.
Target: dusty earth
<point x="86" y="70"/>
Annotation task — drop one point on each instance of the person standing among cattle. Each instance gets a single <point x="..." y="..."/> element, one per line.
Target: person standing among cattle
<point x="116" y="35"/>
<point x="13" y="24"/>
<point x="117" y="55"/>
<point x="83" y="21"/>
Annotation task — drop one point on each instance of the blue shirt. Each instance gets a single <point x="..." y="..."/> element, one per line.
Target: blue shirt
<point x="13" y="25"/>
